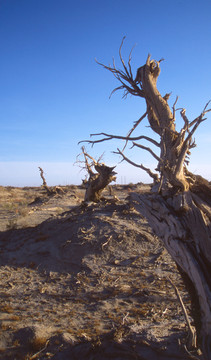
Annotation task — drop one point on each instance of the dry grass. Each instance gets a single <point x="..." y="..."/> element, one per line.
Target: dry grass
<point x="7" y="309"/>
<point x="38" y="343"/>
<point x="35" y="348"/>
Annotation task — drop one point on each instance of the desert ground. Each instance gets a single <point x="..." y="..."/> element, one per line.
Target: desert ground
<point x="86" y="281"/>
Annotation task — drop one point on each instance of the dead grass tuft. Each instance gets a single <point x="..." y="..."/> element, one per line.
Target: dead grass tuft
<point x="38" y="343"/>
<point x="7" y="309"/>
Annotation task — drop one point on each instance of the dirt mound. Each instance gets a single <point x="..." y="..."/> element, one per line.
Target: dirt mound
<point x="92" y="283"/>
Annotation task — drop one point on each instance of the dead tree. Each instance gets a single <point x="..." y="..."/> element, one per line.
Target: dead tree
<point x="179" y="206"/>
<point x="44" y="183"/>
<point x="53" y="191"/>
<point x="98" y="180"/>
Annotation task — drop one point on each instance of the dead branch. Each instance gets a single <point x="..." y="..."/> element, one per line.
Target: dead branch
<point x="127" y="138"/>
<point x="85" y="162"/>
<point x="185" y="119"/>
<point x="173" y="108"/>
<point x="147" y="149"/>
<point x="125" y="77"/>
<point x="136" y="123"/>
<point x="192" y="330"/>
<point x="149" y="172"/>
<point x="32" y="357"/>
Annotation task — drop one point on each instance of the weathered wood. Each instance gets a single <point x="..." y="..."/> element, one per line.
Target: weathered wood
<point x="97" y="183"/>
<point x="98" y="180"/>
<point x="45" y="186"/>
<point x="53" y="191"/>
<point x="183" y="222"/>
<point x="179" y="206"/>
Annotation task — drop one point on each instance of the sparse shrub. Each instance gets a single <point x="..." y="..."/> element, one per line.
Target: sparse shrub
<point x="23" y="211"/>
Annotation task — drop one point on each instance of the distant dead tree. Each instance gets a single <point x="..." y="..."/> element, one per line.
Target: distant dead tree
<point x="54" y="190"/>
<point x="179" y="205"/>
<point x="97" y="181"/>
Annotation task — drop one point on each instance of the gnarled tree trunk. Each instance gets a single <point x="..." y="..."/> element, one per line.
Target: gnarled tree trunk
<point x="98" y="181"/>
<point x="183" y="223"/>
<point x="179" y="207"/>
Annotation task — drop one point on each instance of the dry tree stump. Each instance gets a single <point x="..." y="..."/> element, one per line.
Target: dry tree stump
<point x="97" y="181"/>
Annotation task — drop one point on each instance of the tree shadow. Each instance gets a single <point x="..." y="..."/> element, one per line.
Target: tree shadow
<point x="104" y="347"/>
<point x="57" y="244"/>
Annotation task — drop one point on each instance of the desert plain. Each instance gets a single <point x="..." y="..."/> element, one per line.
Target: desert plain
<point x="86" y="280"/>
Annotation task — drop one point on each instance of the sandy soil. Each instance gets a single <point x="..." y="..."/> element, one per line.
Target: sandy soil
<point x="85" y="281"/>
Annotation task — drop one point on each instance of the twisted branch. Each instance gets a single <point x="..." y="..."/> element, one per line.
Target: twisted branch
<point x="148" y="149"/>
<point x="149" y="172"/>
<point x="125" y="76"/>
<point x="127" y="138"/>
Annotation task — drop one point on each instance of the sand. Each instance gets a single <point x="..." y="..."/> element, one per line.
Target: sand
<point x="85" y="281"/>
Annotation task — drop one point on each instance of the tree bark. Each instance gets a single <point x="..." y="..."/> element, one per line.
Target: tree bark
<point x="183" y="222"/>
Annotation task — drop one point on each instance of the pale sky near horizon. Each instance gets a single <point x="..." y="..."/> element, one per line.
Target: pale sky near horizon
<point x="53" y="94"/>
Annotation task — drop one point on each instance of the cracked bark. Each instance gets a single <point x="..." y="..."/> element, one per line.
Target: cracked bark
<point x="183" y="224"/>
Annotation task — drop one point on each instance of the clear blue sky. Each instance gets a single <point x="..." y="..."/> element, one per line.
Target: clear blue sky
<point x="53" y="94"/>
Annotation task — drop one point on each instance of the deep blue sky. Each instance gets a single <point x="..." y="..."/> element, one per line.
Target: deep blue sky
<point x="53" y="94"/>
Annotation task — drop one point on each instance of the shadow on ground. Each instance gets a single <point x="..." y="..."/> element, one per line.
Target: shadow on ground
<point x="105" y="347"/>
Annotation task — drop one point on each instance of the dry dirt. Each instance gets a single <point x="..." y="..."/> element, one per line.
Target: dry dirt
<point x="85" y="281"/>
